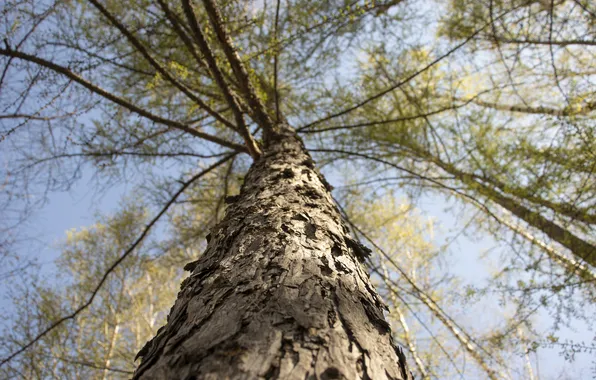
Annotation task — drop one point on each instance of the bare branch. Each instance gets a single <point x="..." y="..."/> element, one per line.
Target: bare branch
<point x="530" y="41"/>
<point x="90" y="364"/>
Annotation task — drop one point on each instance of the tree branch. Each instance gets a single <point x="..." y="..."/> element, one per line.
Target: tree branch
<point x="567" y="111"/>
<point x="141" y="49"/>
<point x="76" y="312"/>
<point x="251" y="145"/>
<point x="175" y="22"/>
<point x="393" y="87"/>
<point x="404" y="81"/>
<point x="89" y="364"/>
<point x="530" y="41"/>
<point x="120" y="101"/>
<point x="244" y="82"/>
<point x="579" y="247"/>
<point x="275" y="63"/>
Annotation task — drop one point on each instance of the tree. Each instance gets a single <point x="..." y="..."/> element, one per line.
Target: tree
<point x="202" y="100"/>
<point x="107" y="333"/>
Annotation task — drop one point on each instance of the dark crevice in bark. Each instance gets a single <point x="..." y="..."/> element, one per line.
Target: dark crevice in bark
<point x="402" y="362"/>
<point x="353" y="340"/>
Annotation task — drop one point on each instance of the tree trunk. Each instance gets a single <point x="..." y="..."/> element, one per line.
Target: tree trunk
<point x="279" y="292"/>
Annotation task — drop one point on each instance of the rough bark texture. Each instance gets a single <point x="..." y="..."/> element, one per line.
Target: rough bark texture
<point x="279" y="293"/>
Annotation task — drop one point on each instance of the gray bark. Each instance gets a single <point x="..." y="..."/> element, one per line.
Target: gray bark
<point x="279" y="292"/>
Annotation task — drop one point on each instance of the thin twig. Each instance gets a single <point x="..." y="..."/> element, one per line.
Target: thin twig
<point x="275" y="63"/>
<point x="404" y="81"/>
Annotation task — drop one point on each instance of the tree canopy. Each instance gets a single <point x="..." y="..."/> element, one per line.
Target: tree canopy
<point x="484" y="108"/>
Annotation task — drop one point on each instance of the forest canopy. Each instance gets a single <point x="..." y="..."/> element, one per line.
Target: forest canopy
<point x="458" y="137"/>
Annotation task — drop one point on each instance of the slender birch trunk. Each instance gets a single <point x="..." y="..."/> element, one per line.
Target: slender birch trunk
<point x="108" y="359"/>
<point x="406" y="330"/>
<point x="279" y="292"/>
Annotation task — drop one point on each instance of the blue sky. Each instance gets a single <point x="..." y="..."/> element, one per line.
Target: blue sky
<point x="76" y="208"/>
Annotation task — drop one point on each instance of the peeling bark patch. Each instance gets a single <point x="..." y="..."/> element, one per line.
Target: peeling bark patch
<point x="288" y="350"/>
<point x="272" y="373"/>
<point x="405" y="372"/>
<point x="310" y="230"/>
<point x="309" y="163"/>
<point x="331" y="373"/>
<point x="331" y="317"/>
<point x="360" y="251"/>
<point x="326" y="270"/>
<point x="362" y="366"/>
<point x="255" y="244"/>
<point x="231" y="199"/>
<point x="342" y="268"/>
<point x="288" y="173"/>
<point x="336" y="250"/>
<point x="375" y="316"/>
<point x="345" y="228"/>
<point x="183" y="284"/>
<point x="300" y="216"/>
<point x="311" y="193"/>
<point x="191" y="266"/>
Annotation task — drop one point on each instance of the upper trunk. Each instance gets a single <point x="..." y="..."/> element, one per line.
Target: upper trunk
<point x="279" y="291"/>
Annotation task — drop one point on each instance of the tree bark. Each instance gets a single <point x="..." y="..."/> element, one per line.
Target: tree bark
<point x="279" y="292"/>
